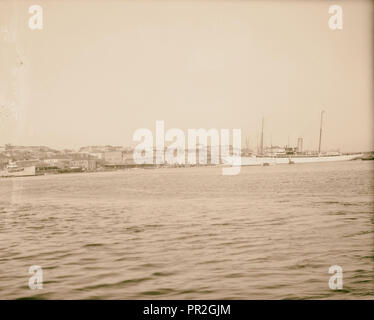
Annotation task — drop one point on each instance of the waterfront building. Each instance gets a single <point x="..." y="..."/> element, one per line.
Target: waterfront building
<point x="113" y="157"/>
<point x="57" y="162"/>
<point x="86" y="164"/>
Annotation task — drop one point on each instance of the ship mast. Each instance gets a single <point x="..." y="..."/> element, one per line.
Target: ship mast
<point x="320" y="133"/>
<point x="262" y="137"/>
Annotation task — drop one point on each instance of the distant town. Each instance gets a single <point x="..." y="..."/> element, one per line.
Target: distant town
<point x="48" y="160"/>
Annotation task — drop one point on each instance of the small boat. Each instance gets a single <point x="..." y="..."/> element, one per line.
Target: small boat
<point x="367" y="157"/>
<point x="13" y="170"/>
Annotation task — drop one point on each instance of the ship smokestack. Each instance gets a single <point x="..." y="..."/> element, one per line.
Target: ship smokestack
<point x="262" y="137"/>
<point x="320" y="133"/>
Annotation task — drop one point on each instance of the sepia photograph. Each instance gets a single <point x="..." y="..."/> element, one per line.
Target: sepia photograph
<point x="160" y="151"/>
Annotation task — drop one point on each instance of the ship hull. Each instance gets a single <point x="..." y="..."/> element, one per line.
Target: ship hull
<point x="21" y="172"/>
<point x="260" y="161"/>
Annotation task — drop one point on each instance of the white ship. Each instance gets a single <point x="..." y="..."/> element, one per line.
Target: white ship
<point x="290" y="157"/>
<point x="12" y="170"/>
<point x="265" y="161"/>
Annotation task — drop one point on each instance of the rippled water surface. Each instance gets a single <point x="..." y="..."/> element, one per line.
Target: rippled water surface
<point x="268" y="233"/>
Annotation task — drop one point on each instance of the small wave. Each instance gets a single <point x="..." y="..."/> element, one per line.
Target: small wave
<point x="93" y="245"/>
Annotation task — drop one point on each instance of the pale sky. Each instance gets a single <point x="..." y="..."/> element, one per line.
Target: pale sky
<point x="99" y="70"/>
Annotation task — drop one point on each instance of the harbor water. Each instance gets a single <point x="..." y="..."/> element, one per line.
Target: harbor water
<point x="190" y="233"/>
